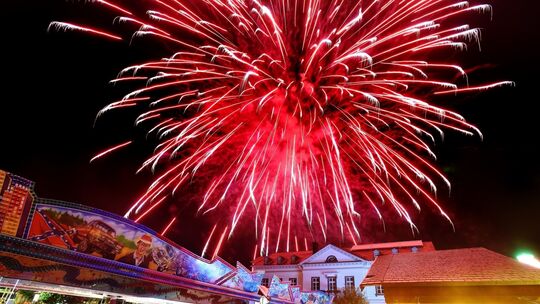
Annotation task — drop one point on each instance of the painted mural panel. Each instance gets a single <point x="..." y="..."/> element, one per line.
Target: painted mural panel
<point x="118" y="240"/>
<point x="296" y="294"/>
<point x="278" y="289"/>
<point x="244" y="279"/>
<point x="316" y="297"/>
<point x="26" y="268"/>
<point x="95" y="232"/>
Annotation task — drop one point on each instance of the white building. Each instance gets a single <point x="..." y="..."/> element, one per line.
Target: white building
<point x="332" y="268"/>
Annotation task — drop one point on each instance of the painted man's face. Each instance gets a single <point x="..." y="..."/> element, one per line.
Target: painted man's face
<point x="143" y="247"/>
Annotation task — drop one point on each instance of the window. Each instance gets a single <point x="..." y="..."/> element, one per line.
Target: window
<point x="293" y="281"/>
<point x="332" y="283"/>
<point x="264" y="282"/>
<point x="315" y="283"/>
<point x="281" y="280"/>
<point x="331" y="259"/>
<point x="349" y="282"/>
<point x="379" y="291"/>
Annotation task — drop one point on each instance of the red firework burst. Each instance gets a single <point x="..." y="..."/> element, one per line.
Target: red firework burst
<point x="303" y="112"/>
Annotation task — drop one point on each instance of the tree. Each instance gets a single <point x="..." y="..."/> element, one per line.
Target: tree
<point x="53" y="298"/>
<point x="350" y="296"/>
<point x="50" y="298"/>
<point x="24" y="296"/>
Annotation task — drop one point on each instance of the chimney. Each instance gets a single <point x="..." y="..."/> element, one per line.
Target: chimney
<point x="314" y="247"/>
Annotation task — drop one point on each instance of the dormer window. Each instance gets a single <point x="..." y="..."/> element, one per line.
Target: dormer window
<point x="331" y="259"/>
<point x="280" y="260"/>
<point x="294" y="259"/>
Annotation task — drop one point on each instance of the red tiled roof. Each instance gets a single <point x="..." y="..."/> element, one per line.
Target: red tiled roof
<point x="363" y="251"/>
<point x="470" y="266"/>
<point x="366" y="251"/>
<point x="416" y="243"/>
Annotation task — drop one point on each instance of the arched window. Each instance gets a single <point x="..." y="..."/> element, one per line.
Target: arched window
<point x="331" y="259"/>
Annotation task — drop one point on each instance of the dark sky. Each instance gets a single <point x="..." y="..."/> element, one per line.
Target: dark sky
<point x="54" y="84"/>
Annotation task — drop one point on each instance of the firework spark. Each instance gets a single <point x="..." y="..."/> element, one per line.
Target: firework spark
<point x="305" y="113"/>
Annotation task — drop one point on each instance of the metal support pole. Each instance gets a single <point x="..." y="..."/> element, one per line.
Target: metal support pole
<point x="13" y="289"/>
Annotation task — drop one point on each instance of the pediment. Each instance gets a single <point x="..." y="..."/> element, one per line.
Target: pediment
<point x="328" y="252"/>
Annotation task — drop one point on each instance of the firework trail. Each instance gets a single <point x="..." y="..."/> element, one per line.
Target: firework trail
<point x="303" y="112"/>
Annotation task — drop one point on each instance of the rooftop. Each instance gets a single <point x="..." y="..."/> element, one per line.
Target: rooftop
<point x="365" y="252"/>
<point x="469" y="266"/>
<point x="415" y="243"/>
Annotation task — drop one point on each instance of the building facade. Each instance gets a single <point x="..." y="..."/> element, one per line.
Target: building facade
<point x="331" y="268"/>
<point x="15" y="201"/>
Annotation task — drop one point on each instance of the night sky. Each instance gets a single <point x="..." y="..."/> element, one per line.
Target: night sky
<point x="55" y="83"/>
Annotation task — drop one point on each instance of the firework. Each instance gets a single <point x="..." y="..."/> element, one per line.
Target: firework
<point x="304" y="113"/>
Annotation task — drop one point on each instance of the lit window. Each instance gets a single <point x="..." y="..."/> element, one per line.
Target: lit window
<point x="379" y="291"/>
<point x="349" y="282"/>
<point x="332" y="283"/>
<point x="264" y="282"/>
<point x="315" y="283"/>
<point x="293" y="281"/>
